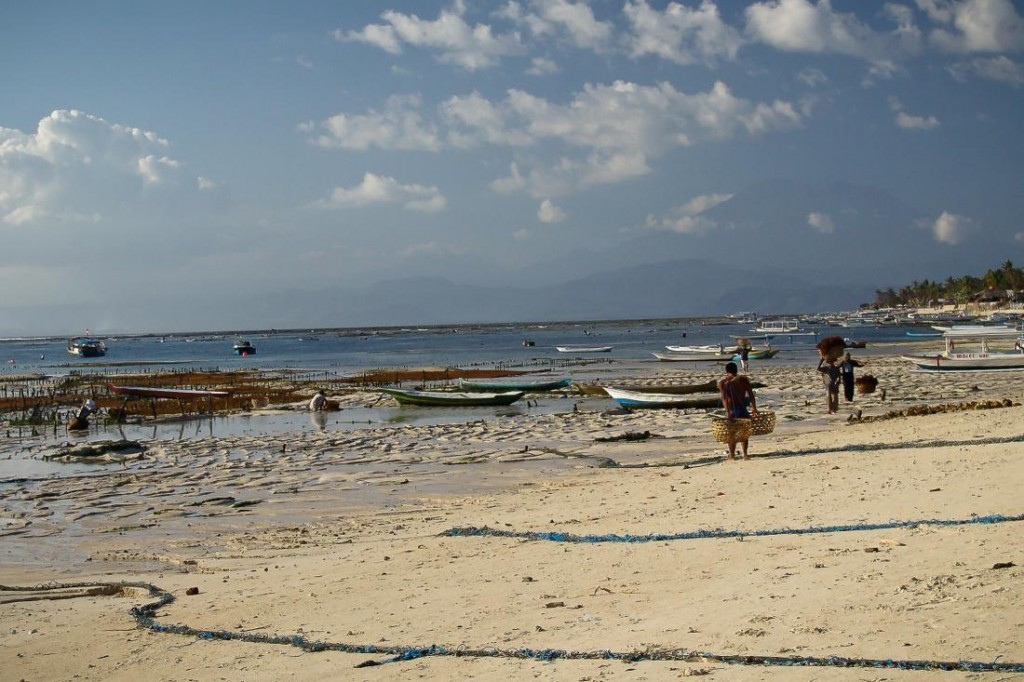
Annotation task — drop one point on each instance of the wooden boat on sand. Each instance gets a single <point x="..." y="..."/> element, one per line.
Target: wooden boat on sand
<point x="502" y="385"/>
<point x="452" y="399"/>
<point x="637" y="400"/>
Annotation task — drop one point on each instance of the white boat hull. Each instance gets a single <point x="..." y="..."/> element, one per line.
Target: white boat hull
<point x="963" y="362"/>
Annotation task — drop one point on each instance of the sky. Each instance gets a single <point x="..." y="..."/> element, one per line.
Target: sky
<point x="151" y="151"/>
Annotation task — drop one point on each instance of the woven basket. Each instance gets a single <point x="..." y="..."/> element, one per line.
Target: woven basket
<point x="866" y="384"/>
<point x="721" y="429"/>
<point x="762" y="423"/>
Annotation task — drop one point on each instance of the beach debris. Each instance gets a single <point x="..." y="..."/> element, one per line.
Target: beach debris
<point x="109" y="451"/>
<point x="192" y="591"/>
<point x="1003" y="564"/>
<point x="554" y="605"/>
<point x="628" y="436"/>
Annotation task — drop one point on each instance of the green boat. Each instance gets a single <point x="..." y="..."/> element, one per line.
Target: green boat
<point x="451" y="399"/>
<point x="527" y="385"/>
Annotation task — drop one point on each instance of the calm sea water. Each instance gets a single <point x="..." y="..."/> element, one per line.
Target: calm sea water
<point x="350" y="352"/>
<point x="347" y="351"/>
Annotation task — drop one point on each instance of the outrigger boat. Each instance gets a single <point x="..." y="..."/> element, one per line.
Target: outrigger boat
<point x="156" y="392"/>
<point x="758" y="354"/>
<point x="984" y="358"/>
<point x="693" y="357"/>
<point x="638" y="400"/>
<point x="451" y="399"/>
<point x="244" y="348"/>
<point x="500" y="385"/>
<point x="583" y="349"/>
<point x="696" y="349"/>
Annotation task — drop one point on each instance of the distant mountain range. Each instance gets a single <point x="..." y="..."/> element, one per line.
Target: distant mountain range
<point x="776" y="247"/>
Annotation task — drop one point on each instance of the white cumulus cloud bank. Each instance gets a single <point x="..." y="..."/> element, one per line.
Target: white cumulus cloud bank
<point x="379" y="189"/>
<point x="605" y="133"/>
<point x="471" y="47"/>
<point x="77" y="167"/>
<point x="680" y="34"/>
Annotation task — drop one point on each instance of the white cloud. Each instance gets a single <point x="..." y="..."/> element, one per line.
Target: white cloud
<point x="77" y="167"/>
<point x="910" y="122"/>
<point x="549" y="19"/>
<point x="456" y="42"/>
<point x="975" y="25"/>
<point x="949" y="228"/>
<point x="619" y="127"/>
<point x="680" y="34"/>
<point x="399" y="126"/>
<point x="1001" y="69"/>
<point x="821" y="222"/>
<point x="687" y="219"/>
<point x="705" y="202"/>
<point x="431" y="249"/>
<point x="524" y="234"/>
<point x="803" y="26"/>
<point x="549" y="213"/>
<point x="812" y="77"/>
<point x="542" y="66"/>
<point x="1019" y="236"/>
<point x="379" y="189"/>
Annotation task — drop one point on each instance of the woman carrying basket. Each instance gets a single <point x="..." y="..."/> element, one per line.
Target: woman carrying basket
<point x="737" y="393"/>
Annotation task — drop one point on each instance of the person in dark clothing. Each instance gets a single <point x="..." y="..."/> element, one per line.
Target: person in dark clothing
<point x="846" y="369"/>
<point x="831" y="375"/>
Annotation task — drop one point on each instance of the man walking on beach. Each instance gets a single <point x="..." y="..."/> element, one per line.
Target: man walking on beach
<point x="736" y="393"/>
<point x="832" y="376"/>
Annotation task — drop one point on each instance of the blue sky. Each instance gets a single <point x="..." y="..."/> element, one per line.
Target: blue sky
<point x="176" y="149"/>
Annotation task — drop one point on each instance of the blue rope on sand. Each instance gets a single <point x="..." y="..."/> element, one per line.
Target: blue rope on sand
<point x="145" y="617"/>
<point x="555" y="536"/>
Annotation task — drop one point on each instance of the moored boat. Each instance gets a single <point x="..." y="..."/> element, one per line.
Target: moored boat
<point x="157" y="392"/>
<point x="583" y="349"/>
<point x="244" y="348"/>
<point x="644" y="400"/>
<point x="502" y="385"/>
<point x="452" y="399"/>
<point x="85" y="347"/>
<point x="977" y="358"/>
<point x="696" y="349"/>
<point x="692" y="357"/>
<point x="758" y="354"/>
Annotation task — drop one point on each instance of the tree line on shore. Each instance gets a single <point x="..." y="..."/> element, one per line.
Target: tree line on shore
<point x="1004" y="283"/>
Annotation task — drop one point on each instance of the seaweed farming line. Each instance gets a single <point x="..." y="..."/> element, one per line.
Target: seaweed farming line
<point x="145" y="617"/>
<point x="718" y="533"/>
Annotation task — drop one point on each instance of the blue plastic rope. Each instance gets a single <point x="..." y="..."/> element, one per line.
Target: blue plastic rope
<point x="555" y="536"/>
<point x="145" y="617"/>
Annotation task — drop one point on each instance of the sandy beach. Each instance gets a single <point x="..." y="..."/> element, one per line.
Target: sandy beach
<point x="341" y="537"/>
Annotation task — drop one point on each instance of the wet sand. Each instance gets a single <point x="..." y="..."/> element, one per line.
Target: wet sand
<point x="335" y="536"/>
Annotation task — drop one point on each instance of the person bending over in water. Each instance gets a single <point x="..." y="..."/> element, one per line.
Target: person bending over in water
<point x="737" y="394"/>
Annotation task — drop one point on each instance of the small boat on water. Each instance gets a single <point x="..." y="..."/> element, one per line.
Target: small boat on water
<point x="695" y="349"/>
<point x="452" y="399"/>
<point x="979" y="358"/>
<point x="85" y="347"/>
<point x="693" y="357"/>
<point x="514" y="384"/>
<point x="643" y="400"/>
<point x="244" y="348"/>
<point x="157" y="392"/>
<point x="758" y="354"/>
<point x="583" y="349"/>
